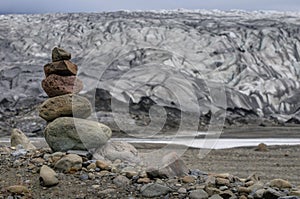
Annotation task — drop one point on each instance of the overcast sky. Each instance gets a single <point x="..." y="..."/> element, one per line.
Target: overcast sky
<point x="51" y="6"/>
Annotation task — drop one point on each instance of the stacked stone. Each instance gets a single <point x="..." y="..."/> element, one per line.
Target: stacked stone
<point x="65" y="111"/>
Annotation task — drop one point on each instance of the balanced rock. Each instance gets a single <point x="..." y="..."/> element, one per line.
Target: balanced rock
<point x="55" y="85"/>
<point x="66" y="133"/>
<point x="48" y="177"/>
<point x="59" y="54"/>
<point x="114" y="150"/>
<point x="63" y="68"/>
<point x="65" y="106"/>
<point x="18" y="137"/>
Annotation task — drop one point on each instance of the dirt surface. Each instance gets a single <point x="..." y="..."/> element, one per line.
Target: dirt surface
<point x="278" y="162"/>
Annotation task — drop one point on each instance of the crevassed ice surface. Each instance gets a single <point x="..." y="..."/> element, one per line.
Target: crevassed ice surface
<point x="253" y="55"/>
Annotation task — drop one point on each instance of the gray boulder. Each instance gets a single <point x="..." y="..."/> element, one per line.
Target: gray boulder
<point x="66" y="133"/>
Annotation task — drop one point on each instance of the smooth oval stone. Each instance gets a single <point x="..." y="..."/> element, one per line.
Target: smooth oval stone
<point x="67" y="133"/>
<point x="55" y="85"/>
<point x="62" y="68"/>
<point x="69" y="105"/>
<point x="59" y="54"/>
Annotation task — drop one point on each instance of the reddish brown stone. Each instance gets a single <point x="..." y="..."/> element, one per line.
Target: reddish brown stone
<point x="55" y="85"/>
<point x="63" y="68"/>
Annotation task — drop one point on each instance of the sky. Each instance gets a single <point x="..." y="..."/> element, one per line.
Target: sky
<point x="66" y="6"/>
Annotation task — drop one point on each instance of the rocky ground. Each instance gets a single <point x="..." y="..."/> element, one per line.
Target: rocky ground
<point x="231" y="173"/>
<point x="260" y="82"/>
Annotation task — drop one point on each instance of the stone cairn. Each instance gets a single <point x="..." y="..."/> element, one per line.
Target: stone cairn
<point x="65" y="111"/>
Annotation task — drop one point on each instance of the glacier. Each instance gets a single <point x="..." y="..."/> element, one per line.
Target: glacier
<point x="202" y="63"/>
